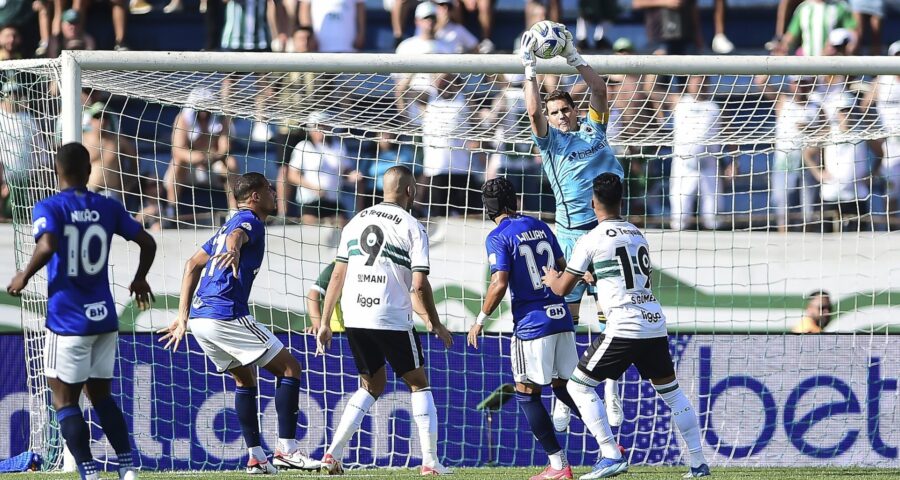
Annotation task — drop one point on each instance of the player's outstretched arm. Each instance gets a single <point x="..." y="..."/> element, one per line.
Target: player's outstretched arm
<point x="590" y="76"/>
<point x="495" y="293"/>
<point x="173" y="334"/>
<point x="423" y="303"/>
<point x="43" y="252"/>
<point x="332" y="294"/>
<point x="231" y="257"/>
<point x="532" y="89"/>
<point x="139" y="287"/>
<point x="560" y="283"/>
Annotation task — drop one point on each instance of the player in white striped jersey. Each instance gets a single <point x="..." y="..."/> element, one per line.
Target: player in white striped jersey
<point x="381" y="276"/>
<point x="635" y="331"/>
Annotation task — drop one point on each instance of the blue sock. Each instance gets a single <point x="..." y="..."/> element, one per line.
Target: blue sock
<point x="287" y="405"/>
<point x="78" y="437"/>
<point x="116" y="430"/>
<point x="539" y="419"/>
<point x="245" y="404"/>
<point x="562" y="394"/>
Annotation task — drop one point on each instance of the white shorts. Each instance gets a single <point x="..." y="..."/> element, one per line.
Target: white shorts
<point x="74" y="359"/>
<point x="541" y="360"/>
<point x="235" y="343"/>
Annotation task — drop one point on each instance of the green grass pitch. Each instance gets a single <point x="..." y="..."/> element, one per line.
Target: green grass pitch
<point x="634" y="473"/>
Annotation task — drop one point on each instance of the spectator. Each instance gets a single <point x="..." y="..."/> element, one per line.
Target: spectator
<point x="868" y="14"/>
<point x="24" y="148"/>
<point x="425" y="41"/>
<point x="887" y="98"/>
<point x="314" y="301"/>
<point x="451" y="32"/>
<point x="672" y="25"/>
<point x="9" y="43"/>
<point x="401" y="10"/>
<point x="817" y="314"/>
<point x="796" y="119"/>
<point x="538" y="10"/>
<point x="247" y="30"/>
<point x="119" y="17"/>
<point x="320" y="169"/>
<point x="785" y="11"/>
<point x="72" y="37"/>
<point x="695" y="167"/>
<point x="720" y="43"/>
<point x="43" y="9"/>
<point x="113" y="157"/>
<point x="839" y="42"/>
<point x="595" y="17"/>
<point x="200" y="148"/>
<point x="390" y="154"/>
<point x="483" y="11"/>
<point x="448" y="165"/>
<point x="843" y="172"/>
<point x="812" y="22"/>
<point x="414" y="89"/>
<point x="338" y="25"/>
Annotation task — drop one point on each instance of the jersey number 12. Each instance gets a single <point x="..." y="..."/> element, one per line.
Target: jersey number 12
<point x="543" y="247"/>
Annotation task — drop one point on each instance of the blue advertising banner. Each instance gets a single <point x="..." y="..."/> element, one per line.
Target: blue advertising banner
<point x="762" y="400"/>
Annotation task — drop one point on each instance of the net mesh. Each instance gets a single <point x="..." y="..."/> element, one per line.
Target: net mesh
<point x="730" y="159"/>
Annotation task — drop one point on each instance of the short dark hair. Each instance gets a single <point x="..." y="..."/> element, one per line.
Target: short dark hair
<point x="818" y="293"/>
<point x="608" y="190"/>
<point x="401" y="170"/>
<point x="73" y="160"/>
<point x="560" y="95"/>
<point x="248" y="183"/>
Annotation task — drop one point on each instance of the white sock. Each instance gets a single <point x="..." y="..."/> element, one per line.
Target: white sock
<point x="353" y="415"/>
<point x="425" y="415"/>
<point x="258" y="453"/>
<point x="288" y="445"/>
<point x="685" y="418"/>
<point x="593" y="414"/>
<point x="558" y="460"/>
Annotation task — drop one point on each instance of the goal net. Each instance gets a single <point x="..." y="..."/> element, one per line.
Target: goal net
<point x="758" y="181"/>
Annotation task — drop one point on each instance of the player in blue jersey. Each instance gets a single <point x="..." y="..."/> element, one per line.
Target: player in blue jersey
<point x="220" y="320"/>
<point x="73" y="230"/>
<point x="543" y="345"/>
<point x="573" y="155"/>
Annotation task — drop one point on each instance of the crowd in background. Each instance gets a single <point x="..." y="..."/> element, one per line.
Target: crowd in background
<point x="327" y="174"/>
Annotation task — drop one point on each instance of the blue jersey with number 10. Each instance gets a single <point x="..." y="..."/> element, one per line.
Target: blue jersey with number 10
<point x="79" y="301"/>
<point x="523" y="246"/>
<point x="221" y="296"/>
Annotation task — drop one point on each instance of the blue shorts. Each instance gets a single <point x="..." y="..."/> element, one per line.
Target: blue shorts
<point x="567" y="238"/>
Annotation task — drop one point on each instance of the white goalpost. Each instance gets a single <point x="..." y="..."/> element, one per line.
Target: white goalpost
<point x="758" y="180"/>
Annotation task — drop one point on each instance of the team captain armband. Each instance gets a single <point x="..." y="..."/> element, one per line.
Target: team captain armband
<point x="598" y="117"/>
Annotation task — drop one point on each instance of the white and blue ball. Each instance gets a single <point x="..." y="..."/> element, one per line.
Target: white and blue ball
<point x="550" y="39"/>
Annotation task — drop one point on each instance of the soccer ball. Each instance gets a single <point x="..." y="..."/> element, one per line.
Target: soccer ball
<point x="550" y="39"/>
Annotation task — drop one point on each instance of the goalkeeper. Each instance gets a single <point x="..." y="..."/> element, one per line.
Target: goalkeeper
<point x="573" y="155"/>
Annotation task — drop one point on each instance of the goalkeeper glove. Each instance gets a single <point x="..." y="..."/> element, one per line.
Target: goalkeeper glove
<point x="570" y="53"/>
<point x="526" y="53"/>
